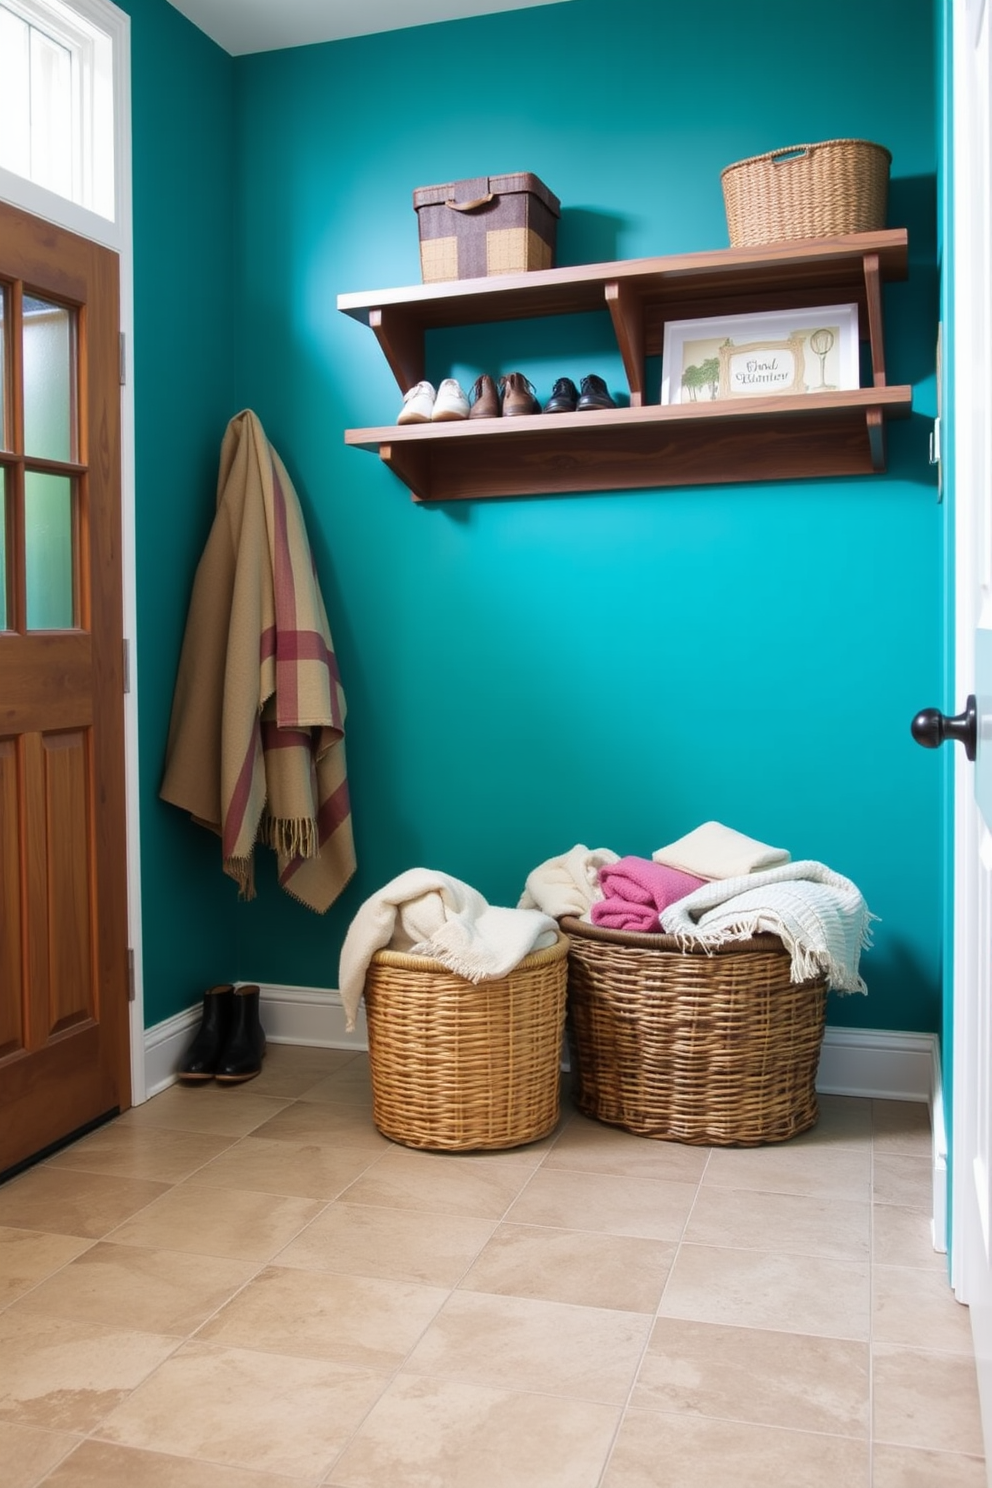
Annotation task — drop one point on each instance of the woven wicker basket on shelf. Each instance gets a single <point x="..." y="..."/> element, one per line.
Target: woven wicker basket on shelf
<point x="807" y="191"/>
<point x="458" y="1065"/>
<point x="686" y="1046"/>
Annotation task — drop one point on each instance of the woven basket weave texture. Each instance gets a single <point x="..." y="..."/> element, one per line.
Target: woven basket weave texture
<point x="487" y="225"/>
<point x="457" y="1065"/>
<point x="807" y="191"/>
<point x="718" y="1049"/>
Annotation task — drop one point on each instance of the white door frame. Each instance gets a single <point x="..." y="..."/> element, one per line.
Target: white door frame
<point x="116" y="235"/>
<point x="969" y="304"/>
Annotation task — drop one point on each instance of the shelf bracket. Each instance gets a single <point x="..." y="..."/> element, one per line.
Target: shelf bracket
<point x="876" y="438"/>
<point x="412" y="465"/>
<point x="628" y="327"/>
<point x="402" y="345"/>
<point x="873" y="296"/>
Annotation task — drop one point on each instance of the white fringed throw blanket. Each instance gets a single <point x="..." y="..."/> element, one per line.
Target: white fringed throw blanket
<point x="820" y="917"/>
<point x="425" y="913"/>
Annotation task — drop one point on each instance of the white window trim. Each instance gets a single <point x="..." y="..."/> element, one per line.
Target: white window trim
<point x="83" y="27"/>
<point x="116" y="235"/>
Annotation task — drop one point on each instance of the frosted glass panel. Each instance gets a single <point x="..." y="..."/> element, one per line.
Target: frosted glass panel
<point x="48" y="532"/>
<point x="49" y="380"/>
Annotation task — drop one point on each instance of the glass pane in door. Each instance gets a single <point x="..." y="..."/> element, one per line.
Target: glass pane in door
<point x="49" y="380"/>
<point x="48" y="551"/>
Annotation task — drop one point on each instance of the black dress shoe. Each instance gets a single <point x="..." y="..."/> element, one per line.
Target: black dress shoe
<point x="242" y="1055"/>
<point x="564" y="397"/>
<point x="594" y="394"/>
<point x="200" y="1060"/>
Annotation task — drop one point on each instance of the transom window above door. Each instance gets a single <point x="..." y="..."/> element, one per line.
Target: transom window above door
<point x="57" y="99"/>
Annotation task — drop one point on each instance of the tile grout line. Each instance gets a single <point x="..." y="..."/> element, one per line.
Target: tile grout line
<point x="392" y="1374"/>
<point x="654" y="1319"/>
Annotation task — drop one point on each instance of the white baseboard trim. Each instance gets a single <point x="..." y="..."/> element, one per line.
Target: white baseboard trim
<point x="310" y="1015"/>
<point x="165" y="1044"/>
<point x="873" y="1062"/>
<point x="289" y="1015"/>
<point x="878" y="1063"/>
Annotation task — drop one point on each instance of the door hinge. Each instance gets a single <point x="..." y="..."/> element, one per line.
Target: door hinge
<point x="127" y="665"/>
<point x="935" y="442"/>
<point x="130" y="975"/>
<point x="123" y="367"/>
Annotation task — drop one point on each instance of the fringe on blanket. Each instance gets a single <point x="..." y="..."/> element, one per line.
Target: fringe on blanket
<point x="242" y="870"/>
<point x="806" y="962"/>
<point x="291" y="838"/>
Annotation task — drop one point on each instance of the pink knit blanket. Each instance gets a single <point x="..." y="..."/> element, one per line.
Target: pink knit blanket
<point x="636" y="890"/>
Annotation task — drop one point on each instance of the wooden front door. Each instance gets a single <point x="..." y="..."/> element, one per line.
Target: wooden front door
<point x="64" y="1035"/>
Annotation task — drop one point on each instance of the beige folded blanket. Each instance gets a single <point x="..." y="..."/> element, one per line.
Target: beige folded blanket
<point x="256" y="741"/>
<point x="426" y="913"/>
<point x="715" y="851"/>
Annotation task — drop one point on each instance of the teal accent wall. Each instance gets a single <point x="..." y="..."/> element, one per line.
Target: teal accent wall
<point x="182" y="103"/>
<point x="523" y="675"/>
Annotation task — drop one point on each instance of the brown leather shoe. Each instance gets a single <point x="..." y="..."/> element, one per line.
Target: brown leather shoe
<point x="518" y="395"/>
<point x="484" y="399"/>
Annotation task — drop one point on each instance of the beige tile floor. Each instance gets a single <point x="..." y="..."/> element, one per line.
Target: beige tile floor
<point x="251" y="1288"/>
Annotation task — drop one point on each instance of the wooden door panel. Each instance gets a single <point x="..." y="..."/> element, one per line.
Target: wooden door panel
<point x="70" y="993"/>
<point x="46" y="681"/>
<point x="34" y="894"/>
<point x="12" y="1001"/>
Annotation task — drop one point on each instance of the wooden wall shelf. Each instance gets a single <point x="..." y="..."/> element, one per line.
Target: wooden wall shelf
<point x="813" y="434"/>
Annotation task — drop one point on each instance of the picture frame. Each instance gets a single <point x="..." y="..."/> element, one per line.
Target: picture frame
<point x="780" y="353"/>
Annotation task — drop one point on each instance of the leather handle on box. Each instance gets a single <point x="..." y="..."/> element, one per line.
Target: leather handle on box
<point x="471" y="206"/>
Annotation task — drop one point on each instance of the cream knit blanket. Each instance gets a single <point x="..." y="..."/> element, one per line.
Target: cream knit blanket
<point x="425" y="913"/>
<point x="569" y="884"/>
<point x="820" y="917"/>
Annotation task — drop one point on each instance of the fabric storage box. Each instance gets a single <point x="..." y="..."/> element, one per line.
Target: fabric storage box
<point x="807" y="191"/>
<point x="488" y="225"/>
<point x="707" y="1047"/>
<point x="459" y="1065"/>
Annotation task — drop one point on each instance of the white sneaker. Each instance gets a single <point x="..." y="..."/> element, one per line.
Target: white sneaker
<point x="418" y="404"/>
<point x="451" y="402"/>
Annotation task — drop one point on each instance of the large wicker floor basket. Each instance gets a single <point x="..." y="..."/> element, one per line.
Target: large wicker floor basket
<point x="686" y="1046"/>
<point x="458" y="1066"/>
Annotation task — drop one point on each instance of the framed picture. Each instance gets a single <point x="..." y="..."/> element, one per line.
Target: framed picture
<point x="777" y="354"/>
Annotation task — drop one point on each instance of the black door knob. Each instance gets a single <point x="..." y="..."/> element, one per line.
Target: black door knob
<point x="931" y="727"/>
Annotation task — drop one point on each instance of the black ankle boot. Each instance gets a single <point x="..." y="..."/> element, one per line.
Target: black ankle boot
<point x="201" y="1057"/>
<point x="242" y="1055"/>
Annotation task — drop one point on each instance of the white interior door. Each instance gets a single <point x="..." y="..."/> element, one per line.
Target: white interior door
<point x="971" y="432"/>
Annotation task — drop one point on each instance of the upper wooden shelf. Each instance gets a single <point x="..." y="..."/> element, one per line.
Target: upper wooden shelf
<point x="841" y="433"/>
<point x="640" y="293"/>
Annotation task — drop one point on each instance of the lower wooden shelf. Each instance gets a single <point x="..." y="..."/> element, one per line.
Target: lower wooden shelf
<point x="753" y="439"/>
